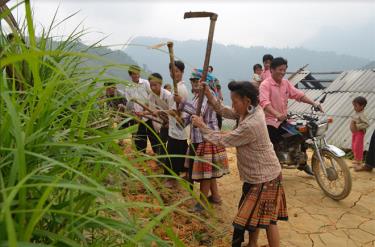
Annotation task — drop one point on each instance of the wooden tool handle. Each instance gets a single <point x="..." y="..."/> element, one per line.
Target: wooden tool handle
<point x="201" y="14"/>
<point x="173" y="69"/>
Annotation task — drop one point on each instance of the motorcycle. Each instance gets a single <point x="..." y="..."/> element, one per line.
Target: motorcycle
<point x="329" y="167"/>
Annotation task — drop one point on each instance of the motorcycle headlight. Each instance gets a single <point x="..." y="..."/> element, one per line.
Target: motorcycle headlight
<point x="321" y="129"/>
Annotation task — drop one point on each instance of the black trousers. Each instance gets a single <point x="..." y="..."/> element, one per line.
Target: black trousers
<point x="275" y="135"/>
<point x="370" y="157"/>
<point x="159" y="146"/>
<point x="176" y="147"/>
<point x="239" y="234"/>
<point x="144" y="133"/>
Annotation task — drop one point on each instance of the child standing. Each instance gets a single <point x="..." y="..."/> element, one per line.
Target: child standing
<point x="257" y="76"/>
<point x="200" y="171"/>
<point x="358" y="127"/>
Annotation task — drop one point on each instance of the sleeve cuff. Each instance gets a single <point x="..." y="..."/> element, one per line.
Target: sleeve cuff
<point x="205" y="130"/>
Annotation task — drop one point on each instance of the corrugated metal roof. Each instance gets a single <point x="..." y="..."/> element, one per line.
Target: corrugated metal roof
<point x="338" y="104"/>
<point x="354" y="81"/>
<point x="299" y="77"/>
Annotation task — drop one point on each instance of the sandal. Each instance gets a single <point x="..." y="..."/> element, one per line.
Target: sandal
<point x="363" y="168"/>
<point x="355" y="164"/>
<point x="211" y="199"/>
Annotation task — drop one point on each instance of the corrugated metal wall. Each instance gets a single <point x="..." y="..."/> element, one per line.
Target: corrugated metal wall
<point x="338" y="104"/>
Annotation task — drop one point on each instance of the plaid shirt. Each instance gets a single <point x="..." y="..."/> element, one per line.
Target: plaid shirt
<point x="208" y="115"/>
<point x="256" y="159"/>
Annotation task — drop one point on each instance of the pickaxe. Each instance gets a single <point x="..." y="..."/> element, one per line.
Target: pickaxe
<point x="213" y="18"/>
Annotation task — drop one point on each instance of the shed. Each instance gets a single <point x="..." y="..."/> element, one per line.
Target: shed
<point x="338" y="104"/>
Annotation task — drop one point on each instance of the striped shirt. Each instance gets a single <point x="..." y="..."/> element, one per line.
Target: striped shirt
<point x="208" y="114"/>
<point x="256" y="159"/>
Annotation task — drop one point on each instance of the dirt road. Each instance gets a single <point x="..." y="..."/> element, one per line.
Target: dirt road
<point x="314" y="219"/>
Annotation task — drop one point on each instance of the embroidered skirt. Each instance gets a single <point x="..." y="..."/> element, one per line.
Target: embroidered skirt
<point x="261" y="205"/>
<point x="205" y="151"/>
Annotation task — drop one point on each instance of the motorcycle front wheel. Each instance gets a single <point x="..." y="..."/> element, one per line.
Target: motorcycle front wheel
<point x="337" y="184"/>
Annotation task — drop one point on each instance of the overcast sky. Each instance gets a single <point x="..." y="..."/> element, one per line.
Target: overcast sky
<point x="245" y="23"/>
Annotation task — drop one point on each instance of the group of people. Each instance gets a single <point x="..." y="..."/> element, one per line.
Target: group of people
<point x="165" y="123"/>
<point x="259" y="107"/>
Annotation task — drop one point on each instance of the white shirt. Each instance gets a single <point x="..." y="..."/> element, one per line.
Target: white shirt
<point x="159" y="103"/>
<point x="139" y="91"/>
<point x="175" y="131"/>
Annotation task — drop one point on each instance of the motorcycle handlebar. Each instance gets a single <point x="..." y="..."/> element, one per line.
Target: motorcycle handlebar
<point x="317" y="109"/>
<point x="304" y="116"/>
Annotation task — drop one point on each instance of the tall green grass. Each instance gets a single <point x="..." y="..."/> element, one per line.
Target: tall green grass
<point x="53" y="165"/>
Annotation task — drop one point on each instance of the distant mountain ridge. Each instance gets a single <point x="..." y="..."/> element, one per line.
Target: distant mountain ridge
<point x="113" y="57"/>
<point x="371" y="65"/>
<point x="235" y="62"/>
<point x="230" y="62"/>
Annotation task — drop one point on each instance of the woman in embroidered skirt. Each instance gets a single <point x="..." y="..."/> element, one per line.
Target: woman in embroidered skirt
<point x="202" y="170"/>
<point x="263" y="200"/>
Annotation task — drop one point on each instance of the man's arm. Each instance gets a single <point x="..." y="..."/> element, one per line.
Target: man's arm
<point x="298" y="95"/>
<point x="265" y="102"/>
<point x="309" y="101"/>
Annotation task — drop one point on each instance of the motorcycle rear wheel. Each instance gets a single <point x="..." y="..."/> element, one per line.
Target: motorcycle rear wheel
<point x="338" y="184"/>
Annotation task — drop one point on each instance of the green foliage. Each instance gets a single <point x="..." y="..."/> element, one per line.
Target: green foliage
<point x="53" y="165"/>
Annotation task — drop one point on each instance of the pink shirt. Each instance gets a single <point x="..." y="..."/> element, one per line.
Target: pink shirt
<point x="277" y="95"/>
<point x="265" y="74"/>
